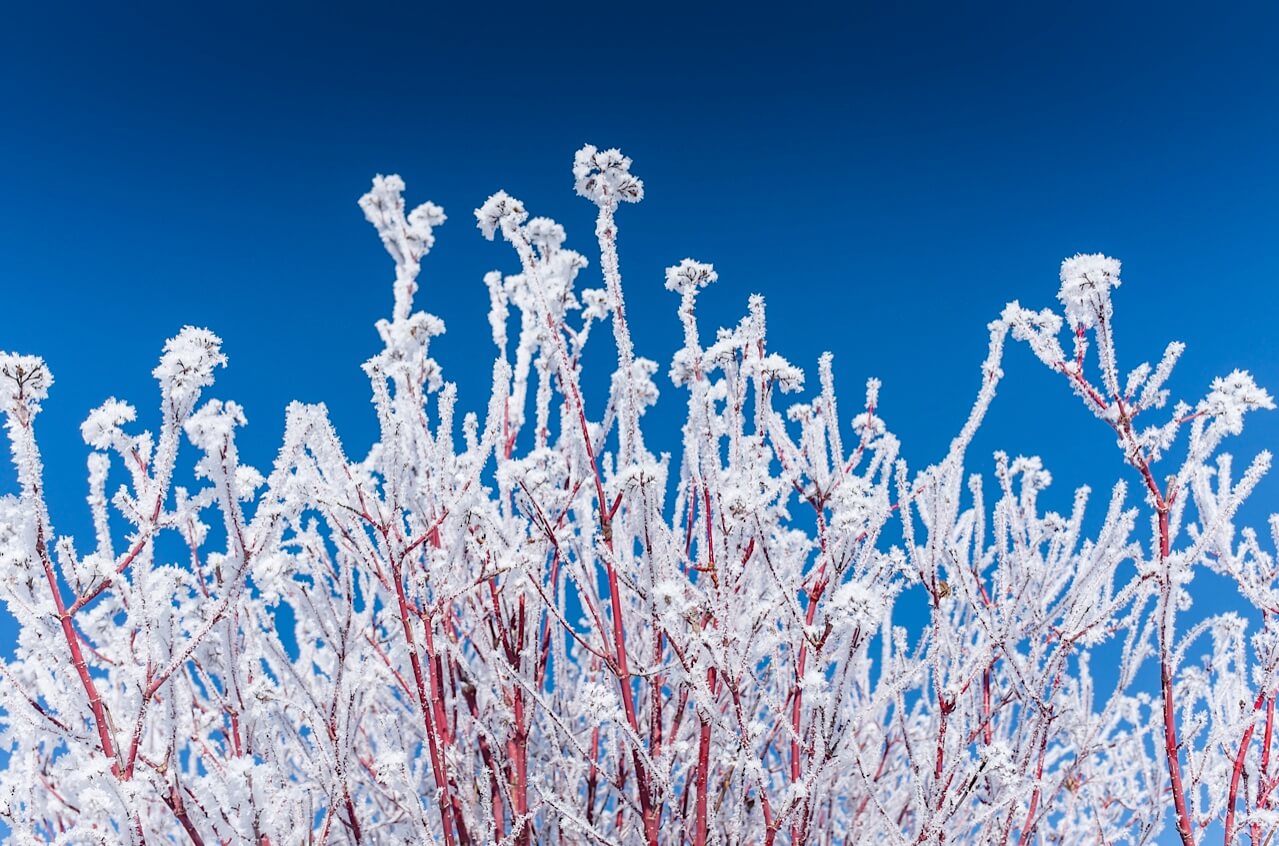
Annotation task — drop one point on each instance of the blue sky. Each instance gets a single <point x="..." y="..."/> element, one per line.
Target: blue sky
<point x="888" y="176"/>
<point x="888" y="179"/>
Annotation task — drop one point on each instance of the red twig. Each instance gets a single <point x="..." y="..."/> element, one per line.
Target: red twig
<point x="1237" y="771"/>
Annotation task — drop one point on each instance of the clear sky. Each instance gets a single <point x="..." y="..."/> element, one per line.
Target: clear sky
<point x="887" y="179"/>
<point x="888" y="175"/>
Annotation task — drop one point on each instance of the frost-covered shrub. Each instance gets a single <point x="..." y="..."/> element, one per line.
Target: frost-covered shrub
<point x="527" y="627"/>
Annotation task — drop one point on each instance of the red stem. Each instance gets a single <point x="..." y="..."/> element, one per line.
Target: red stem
<point x="424" y="702"/>
<point x="703" y="768"/>
<point x="1172" y="750"/>
<point x="1029" y="828"/>
<point x="77" y="656"/>
<point x="1235" y="774"/>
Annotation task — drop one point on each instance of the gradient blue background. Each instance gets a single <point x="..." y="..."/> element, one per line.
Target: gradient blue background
<point x="887" y="178"/>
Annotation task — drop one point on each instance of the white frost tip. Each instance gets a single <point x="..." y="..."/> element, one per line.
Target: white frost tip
<point x="1231" y="396"/>
<point x="406" y="239"/>
<point x="1086" y="280"/>
<point x="188" y="361"/>
<point x="688" y="276"/>
<point x="102" y="426"/>
<point x="24" y="380"/>
<point x="500" y="210"/>
<point x="604" y="177"/>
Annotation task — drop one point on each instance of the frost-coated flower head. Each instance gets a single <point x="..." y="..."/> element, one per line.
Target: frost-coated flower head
<point x="1086" y="280"/>
<point x="421" y="222"/>
<point x="683" y="366"/>
<point x="211" y="426"/>
<point x="604" y="177"/>
<point x="409" y="339"/>
<point x="689" y="276"/>
<point x="102" y="427"/>
<point x="859" y="602"/>
<point x="539" y="475"/>
<point x="188" y="362"/>
<point x="545" y="234"/>
<point x="595" y="304"/>
<point x="1230" y="396"/>
<point x="406" y="239"/>
<point x="640" y="381"/>
<point x="24" y="381"/>
<point x="1032" y="472"/>
<point x="558" y="273"/>
<point x="855" y="506"/>
<point x="777" y="370"/>
<point x="651" y="474"/>
<point x="500" y="210"/>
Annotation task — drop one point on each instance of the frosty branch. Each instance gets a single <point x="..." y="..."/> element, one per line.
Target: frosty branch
<point x="529" y="628"/>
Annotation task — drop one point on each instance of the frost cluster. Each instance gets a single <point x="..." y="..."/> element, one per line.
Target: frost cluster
<point x="1086" y="283"/>
<point x="519" y="625"/>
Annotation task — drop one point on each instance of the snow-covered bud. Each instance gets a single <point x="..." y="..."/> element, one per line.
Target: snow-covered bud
<point x="500" y="211"/>
<point x="639" y="380"/>
<point x="856" y="506"/>
<point x="211" y="426"/>
<point x="604" y="177"/>
<point x="101" y="428"/>
<point x="689" y="276"/>
<point x="407" y="345"/>
<point x="24" y="382"/>
<point x="595" y="304"/>
<point x="407" y="240"/>
<point x="188" y="362"/>
<point x="777" y="370"/>
<point x="385" y="200"/>
<point x="545" y="234"/>
<point x="1086" y="280"/>
<point x="422" y="220"/>
<point x="1231" y="396"/>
